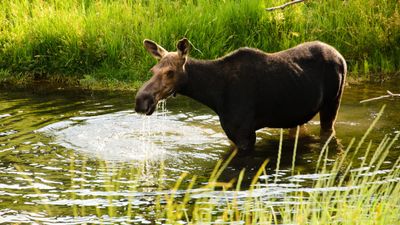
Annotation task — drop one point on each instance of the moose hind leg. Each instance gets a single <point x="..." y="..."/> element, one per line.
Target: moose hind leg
<point x="328" y="114"/>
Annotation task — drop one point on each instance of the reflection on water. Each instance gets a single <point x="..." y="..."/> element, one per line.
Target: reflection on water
<point x="126" y="136"/>
<point x="69" y="149"/>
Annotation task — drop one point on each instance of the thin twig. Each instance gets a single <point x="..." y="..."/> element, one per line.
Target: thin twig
<point x="284" y="5"/>
<point x="390" y="94"/>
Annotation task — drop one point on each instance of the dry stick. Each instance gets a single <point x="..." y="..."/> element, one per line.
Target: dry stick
<point x="390" y="94"/>
<point x="284" y="5"/>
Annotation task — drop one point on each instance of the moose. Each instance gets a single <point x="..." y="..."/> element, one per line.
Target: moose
<point x="250" y="89"/>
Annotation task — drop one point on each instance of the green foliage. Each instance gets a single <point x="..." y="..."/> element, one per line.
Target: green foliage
<point x="71" y="39"/>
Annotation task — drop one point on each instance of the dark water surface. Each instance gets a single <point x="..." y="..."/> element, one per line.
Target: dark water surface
<point x="64" y="154"/>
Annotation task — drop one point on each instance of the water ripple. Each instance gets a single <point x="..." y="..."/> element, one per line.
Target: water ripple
<point x="126" y="135"/>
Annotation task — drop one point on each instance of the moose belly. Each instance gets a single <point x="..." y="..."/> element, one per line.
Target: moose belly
<point x="288" y="110"/>
<point x="284" y="120"/>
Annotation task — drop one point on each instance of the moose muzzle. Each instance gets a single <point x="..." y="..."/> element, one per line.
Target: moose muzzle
<point x="145" y="103"/>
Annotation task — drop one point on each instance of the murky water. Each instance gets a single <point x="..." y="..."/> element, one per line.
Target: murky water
<point x="66" y="156"/>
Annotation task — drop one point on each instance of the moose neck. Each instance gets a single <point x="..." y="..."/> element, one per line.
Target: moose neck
<point x="204" y="82"/>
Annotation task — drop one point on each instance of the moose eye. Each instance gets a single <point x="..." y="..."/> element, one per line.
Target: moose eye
<point x="170" y="74"/>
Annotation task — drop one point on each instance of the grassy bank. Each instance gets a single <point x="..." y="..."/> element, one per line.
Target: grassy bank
<point x="91" y="41"/>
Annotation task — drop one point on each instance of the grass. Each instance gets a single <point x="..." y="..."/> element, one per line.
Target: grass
<point x="347" y="196"/>
<point x="90" y="41"/>
<point x="344" y="194"/>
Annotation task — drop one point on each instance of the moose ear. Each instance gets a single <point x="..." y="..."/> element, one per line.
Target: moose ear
<point x="183" y="47"/>
<point x="155" y="50"/>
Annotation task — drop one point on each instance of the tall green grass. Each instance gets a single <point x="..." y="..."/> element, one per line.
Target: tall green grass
<point x="102" y="40"/>
<point x="343" y="194"/>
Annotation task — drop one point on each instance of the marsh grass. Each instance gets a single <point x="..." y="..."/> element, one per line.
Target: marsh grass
<point x="348" y="195"/>
<point x="342" y="194"/>
<point x="102" y="40"/>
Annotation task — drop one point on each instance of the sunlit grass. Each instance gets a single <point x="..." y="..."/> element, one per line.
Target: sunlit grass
<point x="102" y="40"/>
<point x="347" y="196"/>
<point x="343" y="193"/>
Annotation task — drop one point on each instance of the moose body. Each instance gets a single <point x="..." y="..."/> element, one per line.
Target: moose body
<point x="249" y="89"/>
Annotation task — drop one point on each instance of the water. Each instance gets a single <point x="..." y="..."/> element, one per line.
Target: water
<point x="68" y="155"/>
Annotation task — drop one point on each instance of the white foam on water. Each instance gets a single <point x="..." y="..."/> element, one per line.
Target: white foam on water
<point x="126" y="135"/>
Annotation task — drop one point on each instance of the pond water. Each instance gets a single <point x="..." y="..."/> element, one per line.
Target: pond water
<point x="63" y="151"/>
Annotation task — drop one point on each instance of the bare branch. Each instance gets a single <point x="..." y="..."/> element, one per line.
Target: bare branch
<point x="390" y="94"/>
<point x="284" y="5"/>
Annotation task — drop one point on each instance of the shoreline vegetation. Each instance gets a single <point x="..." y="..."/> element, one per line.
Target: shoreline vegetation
<point x="98" y="44"/>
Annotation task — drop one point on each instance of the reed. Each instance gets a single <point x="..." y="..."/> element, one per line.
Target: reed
<point x="90" y="41"/>
<point x="347" y="195"/>
<point x="343" y="194"/>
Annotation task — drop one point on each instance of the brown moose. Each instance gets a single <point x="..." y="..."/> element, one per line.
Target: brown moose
<point x="250" y="89"/>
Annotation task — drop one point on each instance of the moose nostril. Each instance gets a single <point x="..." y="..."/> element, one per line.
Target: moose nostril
<point x="143" y="102"/>
<point x="138" y="106"/>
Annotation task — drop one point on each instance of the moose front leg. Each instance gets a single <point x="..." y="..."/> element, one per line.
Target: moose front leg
<point x="245" y="141"/>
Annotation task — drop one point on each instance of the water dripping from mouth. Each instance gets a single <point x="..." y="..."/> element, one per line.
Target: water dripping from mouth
<point x="152" y="132"/>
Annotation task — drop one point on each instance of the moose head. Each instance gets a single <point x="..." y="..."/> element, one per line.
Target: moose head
<point x="168" y="75"/>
